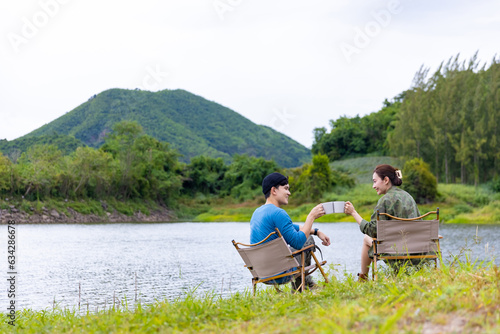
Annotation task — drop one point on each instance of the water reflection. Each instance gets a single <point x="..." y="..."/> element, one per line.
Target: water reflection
<point x="167" y="260"/>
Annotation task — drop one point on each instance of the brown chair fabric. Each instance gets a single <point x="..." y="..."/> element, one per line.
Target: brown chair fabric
<point x="268" y="259"/>
<point x="407" y="237"/>
<point x="406" y="240"/>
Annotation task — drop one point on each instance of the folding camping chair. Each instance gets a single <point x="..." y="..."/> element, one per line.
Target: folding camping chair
<point x="273" y="259"/>
<point x="406" y="239"/>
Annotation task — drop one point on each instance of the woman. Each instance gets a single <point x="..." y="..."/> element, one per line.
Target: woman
<point x="394" y="201"/>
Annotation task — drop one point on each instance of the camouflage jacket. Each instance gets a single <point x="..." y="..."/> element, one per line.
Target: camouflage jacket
<point x="395" y="202"/>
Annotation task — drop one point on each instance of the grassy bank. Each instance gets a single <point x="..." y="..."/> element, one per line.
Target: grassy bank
<point x="457" y="203"/>
<point x="458" y="297"/>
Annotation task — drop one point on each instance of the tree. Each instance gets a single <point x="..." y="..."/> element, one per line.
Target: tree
<point x="39" y="169"/>
<point x="315" y="179"/>
<point x="311" y="181"/>
<point x="243" y="178"/>
<point x="204" y="174"/>
<point x="92" y="172"/>
<point x="451" y="121"/>
<point x="120" y="143"/>
<point x="5" y="173"/>
<point x="418" y="181"/>
<point x="157" y="168"/>
<point x="357" y="135"/>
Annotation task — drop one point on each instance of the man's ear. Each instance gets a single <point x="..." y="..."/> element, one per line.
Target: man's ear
<point x="273" y="190"/>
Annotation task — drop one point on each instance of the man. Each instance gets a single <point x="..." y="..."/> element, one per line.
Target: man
<point x="270" y="216"/>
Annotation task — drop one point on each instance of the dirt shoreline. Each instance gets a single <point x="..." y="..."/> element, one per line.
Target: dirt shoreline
<point x="52" y="216"/>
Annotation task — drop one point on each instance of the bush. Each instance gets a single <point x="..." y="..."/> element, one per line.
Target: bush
<point x="311" y="181"/>
<point x="495" y="184"/>
<point x="419" y="181"/>
<point x="462" y="208"/>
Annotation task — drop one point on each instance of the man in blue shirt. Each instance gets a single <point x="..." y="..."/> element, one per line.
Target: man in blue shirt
<point x="270" y="216"/>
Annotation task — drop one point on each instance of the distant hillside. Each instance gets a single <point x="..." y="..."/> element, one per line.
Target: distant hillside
<point x="190" y="123"/>
<point x="361" y="168"/>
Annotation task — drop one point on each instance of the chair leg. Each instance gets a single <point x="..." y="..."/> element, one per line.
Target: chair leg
<point x="319" y="266"/>
<point x="299" y="288"/>
<point x="254" y="283"/>
<point x="374" y="268"/>
<point x="302" y="273"/>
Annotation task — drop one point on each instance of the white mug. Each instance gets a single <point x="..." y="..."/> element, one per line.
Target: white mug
<point x="333" y="207"/>
<point x="339" y="206"/>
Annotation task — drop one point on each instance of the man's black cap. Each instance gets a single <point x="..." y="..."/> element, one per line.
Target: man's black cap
<point x="272" y="180"/>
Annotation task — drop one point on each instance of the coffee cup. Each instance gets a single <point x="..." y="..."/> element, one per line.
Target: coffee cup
<point x="339" y="206"/>
<point x="333" y="207"/>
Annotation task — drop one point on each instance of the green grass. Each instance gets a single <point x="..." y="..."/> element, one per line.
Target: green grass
<point x="86" y="207"/>
<point x="226" y="214"/>
<point x="395" y="303"/>
<point x="362" y="168"/>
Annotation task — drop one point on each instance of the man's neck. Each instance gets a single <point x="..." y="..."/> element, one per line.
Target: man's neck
<point x="271" y="200"/>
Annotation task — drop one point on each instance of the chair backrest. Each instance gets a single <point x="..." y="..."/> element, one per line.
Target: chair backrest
<point x="407" y="237"/>
<point x="269" y="258"/>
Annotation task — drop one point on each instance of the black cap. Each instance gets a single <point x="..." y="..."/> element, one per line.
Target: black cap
<point x="272" y="180"/>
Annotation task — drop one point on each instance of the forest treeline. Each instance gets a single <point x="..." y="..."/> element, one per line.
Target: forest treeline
<point x="450" y="119"/>
<point x="133" y="165"/>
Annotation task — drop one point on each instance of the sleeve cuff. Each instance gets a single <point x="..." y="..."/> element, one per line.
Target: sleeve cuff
<point x="362" y="225"/>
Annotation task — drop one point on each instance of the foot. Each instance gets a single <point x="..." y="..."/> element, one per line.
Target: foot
<point x="310" y="284"/>
<point x="362" y="277"/>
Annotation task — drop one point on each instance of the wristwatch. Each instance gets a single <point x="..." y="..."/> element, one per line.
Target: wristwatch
<point x="316" y="231"/>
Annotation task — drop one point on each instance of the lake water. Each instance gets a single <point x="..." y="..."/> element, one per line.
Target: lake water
<point x="91" y="263"/>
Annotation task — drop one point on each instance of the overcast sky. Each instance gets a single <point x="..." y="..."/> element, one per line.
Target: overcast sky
<point x="291" y="65"/>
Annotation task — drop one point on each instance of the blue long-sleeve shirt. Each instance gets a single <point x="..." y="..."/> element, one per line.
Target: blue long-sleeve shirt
<point x="266" y="218"/>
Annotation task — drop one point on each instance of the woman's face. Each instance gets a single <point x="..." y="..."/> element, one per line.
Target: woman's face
<point x="381" y="185"/>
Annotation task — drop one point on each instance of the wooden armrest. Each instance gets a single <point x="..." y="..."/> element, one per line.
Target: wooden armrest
<point x="302" y="249"/>
<point x="408" y="219"/>
<point x="251" y="245"/>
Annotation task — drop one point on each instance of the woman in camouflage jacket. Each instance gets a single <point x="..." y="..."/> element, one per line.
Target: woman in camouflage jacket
<point x="394" y="201"/>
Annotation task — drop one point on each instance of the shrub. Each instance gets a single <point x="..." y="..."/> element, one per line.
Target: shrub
<point x="419" y="181"/>
<point x="495" y="184"/>
<point x="311" y="181"/>
<point x="462" y="208"/>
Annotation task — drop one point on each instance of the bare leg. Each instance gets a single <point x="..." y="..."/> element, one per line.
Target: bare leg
<point x="365" y="259"/>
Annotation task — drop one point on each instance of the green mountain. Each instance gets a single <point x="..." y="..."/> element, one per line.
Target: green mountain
<point x="191" y="124"/>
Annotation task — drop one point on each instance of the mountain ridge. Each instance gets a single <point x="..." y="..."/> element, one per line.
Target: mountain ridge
<point x="190" y="123"/>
